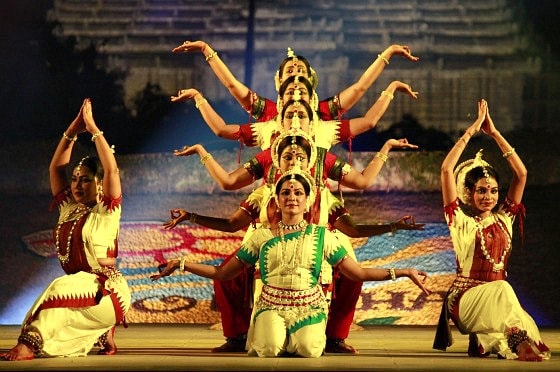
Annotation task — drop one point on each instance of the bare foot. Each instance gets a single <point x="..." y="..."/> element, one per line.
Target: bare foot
<point x="110" y="347"/>
<point x="18" y="352"/>
<point x="526" y="353"/>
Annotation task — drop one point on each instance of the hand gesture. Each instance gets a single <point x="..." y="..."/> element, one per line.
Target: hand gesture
<point x="165" y="269"/>
<point x="402" y="50"/>
<point x="77" y="125"/>
<point x="187" y="150"/>
<point x="90" y="125"/>
<point x="419" y="277"/>
<point x="190" y="46"/>
<point x="400" y="144"/>
<point x="488" y="126"/>
<point x="399" y="86"/>
<point x="407" y="223"/>
<point x="177" y="216"/>
<point x="184" y="94"/>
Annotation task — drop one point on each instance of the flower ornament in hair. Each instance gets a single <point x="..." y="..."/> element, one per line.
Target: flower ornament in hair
<point x="291" y="53"/>
<point x="461" y="171"/>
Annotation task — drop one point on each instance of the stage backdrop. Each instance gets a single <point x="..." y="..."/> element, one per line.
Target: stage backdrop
<point x="187" y="298"/>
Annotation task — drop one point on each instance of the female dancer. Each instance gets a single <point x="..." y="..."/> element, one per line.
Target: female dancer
<point x="480" y="301"/>
<point x="82" y="307"/>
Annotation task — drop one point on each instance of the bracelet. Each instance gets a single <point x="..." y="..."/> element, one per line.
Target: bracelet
<point x="388" y="94"/>
<point x="383" y="58"/>
<point x="507" y="154"/>
<point x="200" y="102"/>
<point x="211" y="55"/>
<point x="393" y="275"/>
<point x="94" y="136"/>
<point x="381" y="156"/>
<point x="205" y="158"/>
<point x="71" y="139"/>
<point x="182" y="264"/>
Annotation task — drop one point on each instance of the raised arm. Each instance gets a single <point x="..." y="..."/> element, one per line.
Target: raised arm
<point x="363" y="180"/>
<point x="235" y="180"/>
<point x="448" y="184"/>
<point x="519" y="179"/>
<point x="111" y="177"/>
<point x="62" y="154"/>
<point x="240" y="219"/>
<point x="346" y="225"/>
<point x="371" y="118"/>
<point x="349" y="96"/>
<point x="211" y="117"/>
<point x="237" y="89"/>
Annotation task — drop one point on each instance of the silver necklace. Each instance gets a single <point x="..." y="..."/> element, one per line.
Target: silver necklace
<point x="290" y="267"/>
<point x="496" y="267"/>
<point x="79" y="211"/>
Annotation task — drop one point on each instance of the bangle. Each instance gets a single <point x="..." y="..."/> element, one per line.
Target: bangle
<point x="182" y="264"/>
<point x="507" y="154"/>
<point x="381" y="156"/>
<point x="392" y="273"/>
<point x="71" y="139"/>
<point x="192" y="218"/>
<point x="383" y="58"/>
<point x="211" y="55"/>
<point x="205" y="158"/>
<point x="94" y="136"/>
<point x="387" y="94"/>
<point x="200" y="102"/>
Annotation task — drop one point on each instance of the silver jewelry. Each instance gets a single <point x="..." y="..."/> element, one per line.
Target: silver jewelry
<point x="496" y="267"/>
<point x="78" y="212"/>
<point x="297" y="226"/>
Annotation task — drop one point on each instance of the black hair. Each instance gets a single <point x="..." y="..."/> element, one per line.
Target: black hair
<point x="292" y="79"/>
<point x="291" y="59"/>
<point x="472" y="176"/>
<point x="297" y="177"/>
<point x="294" y="140"/>
<point x="92" y="163"/>
<point x="303" y="103"/>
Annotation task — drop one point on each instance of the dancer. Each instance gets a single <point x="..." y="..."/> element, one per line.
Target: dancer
<point x="330" y="211"/>
<point x="295" y="88"/>
<point x="291" y="311"/>
<point x="480" y="301"/>
<point x="263" y="109"/>
<point x="82" y="307"/>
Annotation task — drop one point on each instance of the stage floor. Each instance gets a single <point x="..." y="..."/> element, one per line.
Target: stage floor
<point x="180" y="347"/>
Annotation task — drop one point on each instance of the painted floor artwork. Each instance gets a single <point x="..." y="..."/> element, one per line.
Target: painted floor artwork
<point x="189" y="298"/>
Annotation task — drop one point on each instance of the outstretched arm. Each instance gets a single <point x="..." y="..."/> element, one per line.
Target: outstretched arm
<point x="519" y="179"/>
<point x="365" y="179"/>
<point x="353" y="93"/>
<point x="346" y="225"/>
<point x="237" y="89"/>
<point x="239" y="220"/>
<point x="210" y="116"/>
<point x="448" y="185"/>
<point x="352" y="270"/>
<point x="228" y="181"/>
<point x="374" y="114"/>
<point x="229" y="271"/>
